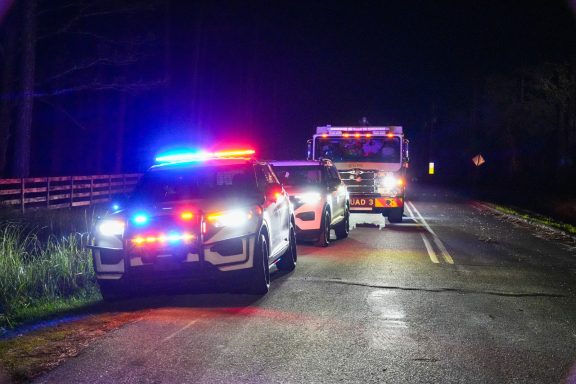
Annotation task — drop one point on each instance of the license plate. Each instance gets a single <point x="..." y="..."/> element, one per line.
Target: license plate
<point x="361" y="202"/>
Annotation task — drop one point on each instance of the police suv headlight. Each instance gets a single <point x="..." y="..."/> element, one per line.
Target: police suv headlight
<point x="111" y="227"/>
<point x="233" y="218"/>
<point x="309" y="198"/>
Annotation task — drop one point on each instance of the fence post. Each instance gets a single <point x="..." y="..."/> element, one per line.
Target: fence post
<point x="123" y="183"/>
<point x="48" y="192"/>
<point x="22" y="201"/>
<point x="109" y="187"/>
<point x="71" y="191"/>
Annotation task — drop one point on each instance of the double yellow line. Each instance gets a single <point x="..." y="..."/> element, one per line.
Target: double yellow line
<point x="417" y="217"/>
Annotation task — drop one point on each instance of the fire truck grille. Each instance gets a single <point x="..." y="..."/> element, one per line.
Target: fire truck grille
<point x="359" y="181"/>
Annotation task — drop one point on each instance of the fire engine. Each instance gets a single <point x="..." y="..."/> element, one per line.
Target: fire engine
<point x="372" y="162"/>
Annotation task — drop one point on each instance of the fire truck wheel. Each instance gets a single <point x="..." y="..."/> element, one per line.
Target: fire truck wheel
<point x="395" y="215"/>
<point x="343" y="228"/>
<point x="324" y="235"/>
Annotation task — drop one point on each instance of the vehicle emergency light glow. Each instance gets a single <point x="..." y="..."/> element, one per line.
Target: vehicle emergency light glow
<point x="309" y="198"/>
<point x="112" y="228"/>
<point x="324" y="135"/>
<point x="235" y="218"/>
<point x="346" y="135"/>
<point x="140" y="219"/>
<point x="181" y="157"/>
<point x="235" y="153"/>
<point x="186" y="216"/>
<point x="357" y="135"/>
<point x="172" y="238"/>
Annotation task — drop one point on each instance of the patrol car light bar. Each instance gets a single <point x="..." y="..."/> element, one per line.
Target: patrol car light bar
<point x="178" y="157"/>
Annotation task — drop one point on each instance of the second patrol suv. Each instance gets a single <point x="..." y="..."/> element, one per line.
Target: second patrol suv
<point x="190" y="217"/>
<point x="319" y="197"/>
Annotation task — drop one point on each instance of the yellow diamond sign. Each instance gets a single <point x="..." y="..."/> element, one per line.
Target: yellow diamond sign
<point x="478" y="160"/>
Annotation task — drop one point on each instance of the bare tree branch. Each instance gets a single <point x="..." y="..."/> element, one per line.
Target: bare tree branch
<point x="88" y="65"/>
<point x="97" y="86"/>
<point x="64" y="112"/>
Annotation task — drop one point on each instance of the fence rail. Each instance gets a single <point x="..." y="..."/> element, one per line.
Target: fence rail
<point x="64" y="191"/>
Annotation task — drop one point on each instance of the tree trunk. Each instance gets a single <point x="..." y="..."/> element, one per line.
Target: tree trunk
<point x="120" y="132"/>
<point x="7" y="101"/>
<point x="23" y="134"/>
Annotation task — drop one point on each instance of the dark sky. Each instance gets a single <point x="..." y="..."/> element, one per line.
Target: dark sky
<point x="266" y="73"/>
<point x="270" y="72"/>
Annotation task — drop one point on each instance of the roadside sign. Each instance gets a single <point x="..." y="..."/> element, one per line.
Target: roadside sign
<point x="431" y="168"/>
<point x="478" y="160"/>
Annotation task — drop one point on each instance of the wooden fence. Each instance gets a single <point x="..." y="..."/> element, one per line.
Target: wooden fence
<point x="65" y="191"/>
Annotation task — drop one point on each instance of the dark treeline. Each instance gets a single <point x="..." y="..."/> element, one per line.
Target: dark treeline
<point x="91" y="86"/>
<point x="523" y="123"/>
<point x="72" y="75"/>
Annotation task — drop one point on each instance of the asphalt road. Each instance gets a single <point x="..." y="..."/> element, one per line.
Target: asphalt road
<point x="452" y="295"/>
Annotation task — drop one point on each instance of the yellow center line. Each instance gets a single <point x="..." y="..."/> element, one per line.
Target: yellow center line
<point x="445" y="254"/>
<point x="429" y="248"/>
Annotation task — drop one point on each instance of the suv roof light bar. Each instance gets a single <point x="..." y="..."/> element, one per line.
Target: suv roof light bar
<point x="178" y="157"/>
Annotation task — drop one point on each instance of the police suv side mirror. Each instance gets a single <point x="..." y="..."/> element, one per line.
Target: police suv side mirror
<point x="333" y="184"/>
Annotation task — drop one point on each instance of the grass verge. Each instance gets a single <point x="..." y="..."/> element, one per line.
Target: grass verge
<point x="45" y="268"/>
<point x="536" y="218"/>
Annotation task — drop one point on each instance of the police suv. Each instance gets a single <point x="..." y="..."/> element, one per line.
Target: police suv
<point x="319" y="198"/>
<point x="194" y="216"/>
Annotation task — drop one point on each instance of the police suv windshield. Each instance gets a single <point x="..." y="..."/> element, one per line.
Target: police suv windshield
<point x="299" y="175"/>
<point x="194" y="183"/>
<point x="363" y="149"/>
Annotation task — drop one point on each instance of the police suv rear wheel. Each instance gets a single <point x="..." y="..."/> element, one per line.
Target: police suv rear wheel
<point x="259" y="282"/>
<point x="288" y="260"/>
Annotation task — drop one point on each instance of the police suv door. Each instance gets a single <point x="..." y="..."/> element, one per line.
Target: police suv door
<point x="276" y="209"/>
<point x="337" y="194"/>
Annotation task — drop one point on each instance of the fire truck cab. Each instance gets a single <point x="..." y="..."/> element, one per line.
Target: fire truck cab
<point x="372" y="162"/>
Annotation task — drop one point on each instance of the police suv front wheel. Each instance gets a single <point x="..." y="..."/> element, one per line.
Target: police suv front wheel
<point x="259" y="279"/>
<point x="112" y="290"/>
<point x="324" y="235"/>
<point x="288" y="260"/>
<point x="342" y="229"/>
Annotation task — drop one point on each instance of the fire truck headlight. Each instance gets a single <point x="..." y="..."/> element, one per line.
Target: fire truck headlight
<point x="233" y="218"/>
<point x="309" y="198"/>
<point x="389" y="182"/>
<point x="111" y="228"/>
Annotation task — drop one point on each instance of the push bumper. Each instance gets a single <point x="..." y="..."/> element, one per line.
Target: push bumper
<point x="207" y="261"/>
